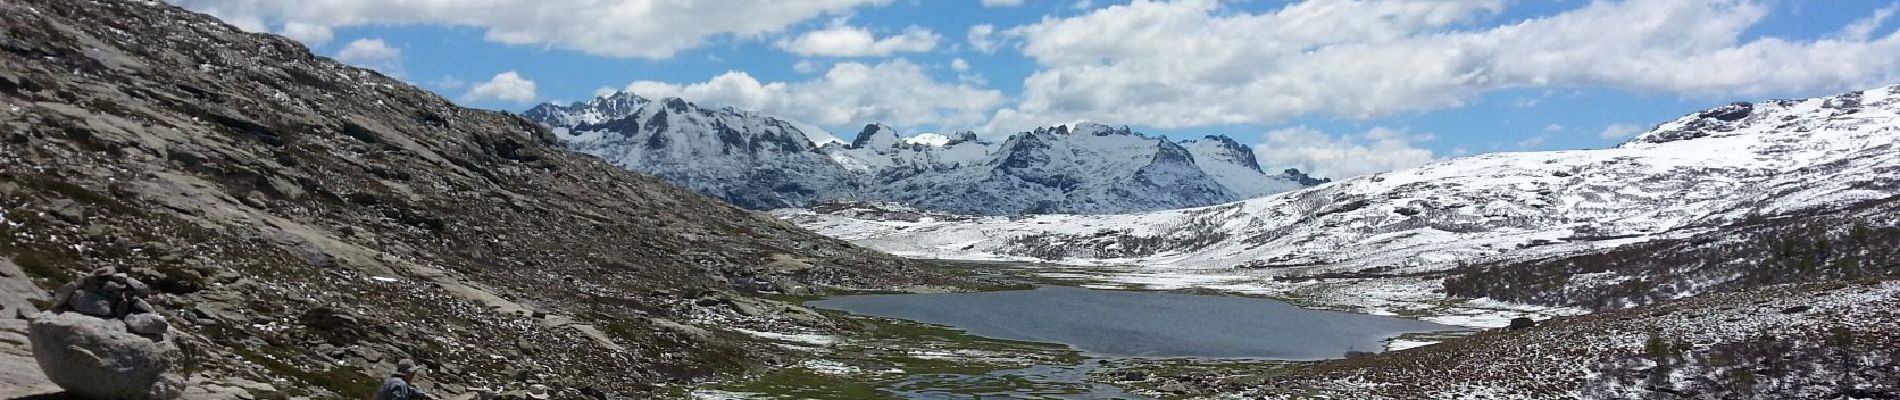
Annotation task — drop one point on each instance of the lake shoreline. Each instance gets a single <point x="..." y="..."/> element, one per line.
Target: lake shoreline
<point x="1053" y="368"/>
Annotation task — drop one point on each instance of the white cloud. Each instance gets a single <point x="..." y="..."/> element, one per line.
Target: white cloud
<point x="372" y="53"/>
<point x="1196" y="62"/>
<point x="959" y="65"/>
<point x="981" y="38"/>
<point x="1002" y="3"/>
<point x="896" y="92"/>
<point x="1864" y="28"/>
<point x="851" y="41"/>
<point x="449" y="83"/>
<point x="1344" y="156"/>
<point x="804" y="67"/>
<point x="310" y="35"/>
<point x="1619" y="131"/>
<point x="507" y="86"/>
<point x="653" y="29"/>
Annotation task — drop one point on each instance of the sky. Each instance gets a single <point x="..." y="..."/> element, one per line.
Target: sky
<point x="1334" y="87"/>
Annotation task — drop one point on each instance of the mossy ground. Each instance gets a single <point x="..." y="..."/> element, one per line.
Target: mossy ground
<point x="881" y="352"/>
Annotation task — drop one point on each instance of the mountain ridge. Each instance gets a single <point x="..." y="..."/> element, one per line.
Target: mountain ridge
<point x="958" y="172"/>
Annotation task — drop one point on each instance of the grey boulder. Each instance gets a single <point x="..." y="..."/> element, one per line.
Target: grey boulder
<point x="98" y="358"/>
<point x="147" y="324"/>
<point x="90" y="303"/>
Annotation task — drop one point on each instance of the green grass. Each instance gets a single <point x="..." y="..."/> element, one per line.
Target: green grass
<point x="1232" y="372"/>
<point x="880" y="344"/>
<point x="800" y="383"/>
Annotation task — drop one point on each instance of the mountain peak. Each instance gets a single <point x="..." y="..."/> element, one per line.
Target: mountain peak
<point x="963" y="137"/>
<point x="876" y="137"/>
<point x="1228" y="148"/>
<point x="597" y="110"/>
<point x="1091" y="128"/>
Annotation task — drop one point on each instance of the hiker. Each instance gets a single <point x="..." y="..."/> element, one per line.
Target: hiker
<point x="399" y="387"/>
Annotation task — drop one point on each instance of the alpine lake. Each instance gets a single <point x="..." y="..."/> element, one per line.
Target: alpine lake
<point x="1053" y="339"/>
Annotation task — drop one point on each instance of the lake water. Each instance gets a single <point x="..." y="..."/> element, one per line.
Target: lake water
<point x="1113" y="323"/>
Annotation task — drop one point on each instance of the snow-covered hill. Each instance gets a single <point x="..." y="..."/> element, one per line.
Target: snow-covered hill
<point x="762" y="162"/>
<point x="1686" y="176"/>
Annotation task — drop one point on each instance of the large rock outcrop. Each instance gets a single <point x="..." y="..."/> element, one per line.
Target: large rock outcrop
<point x="102" y="340"/>
<point x="98" y="358"/>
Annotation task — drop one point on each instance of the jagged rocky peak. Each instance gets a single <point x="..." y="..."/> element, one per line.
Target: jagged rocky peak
<point x="964" y="137"/>
<point x="599" y="110"/>
<point x="1227" y="150"/>
<point x="1167" y="151"/>
<point x="878" y="137"/>
<point x="1096" y="129"/>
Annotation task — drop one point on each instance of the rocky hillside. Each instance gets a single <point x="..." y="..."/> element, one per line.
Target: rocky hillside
<point x="1811" y="341"/>
<point x="310" y="223"/>
<point x="762" y="162"/>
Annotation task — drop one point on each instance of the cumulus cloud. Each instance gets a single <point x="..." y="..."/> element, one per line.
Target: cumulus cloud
<point x="507" y="86"/>
<point x="372" y="53"/>
<point x="1197" y="62"/>
<point x="310" y="35"/>
<point x="1002" y="3"/>
<point x="982" y="38"/>
<point x="1619" y="131"/>
<point x="851" y="41"/>
<point x="1864" y="28"/>
<point x="897" y="92"/>
<point x="1344" y="156"/>
<point x="653" y="29"/>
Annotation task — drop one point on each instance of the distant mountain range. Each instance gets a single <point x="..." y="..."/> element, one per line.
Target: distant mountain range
<point x="1706" y="176"/>
<point x="761" y="162"/>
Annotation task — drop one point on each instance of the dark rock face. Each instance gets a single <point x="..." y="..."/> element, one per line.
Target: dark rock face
<point x="1297" y="176"/>
<point x="267" y="182"/>
<point x="1708" y="122"/>
<point x="1730" y="113"/>
<point x="1521" y="323"/>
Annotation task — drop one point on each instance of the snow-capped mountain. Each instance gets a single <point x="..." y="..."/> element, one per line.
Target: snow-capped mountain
<point x="1709" y="169"/>
<point x="738" y="156"/>
<point x="762" y="162"/>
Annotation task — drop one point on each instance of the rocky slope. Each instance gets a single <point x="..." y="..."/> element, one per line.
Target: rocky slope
<point x="1794" y="306"/>
<point x="1811" y="341"/>
<point x="310" y="223"/>
<point x="762" y="162"/>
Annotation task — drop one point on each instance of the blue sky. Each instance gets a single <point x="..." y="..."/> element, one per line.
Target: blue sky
<point x="1340" y="87"/>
